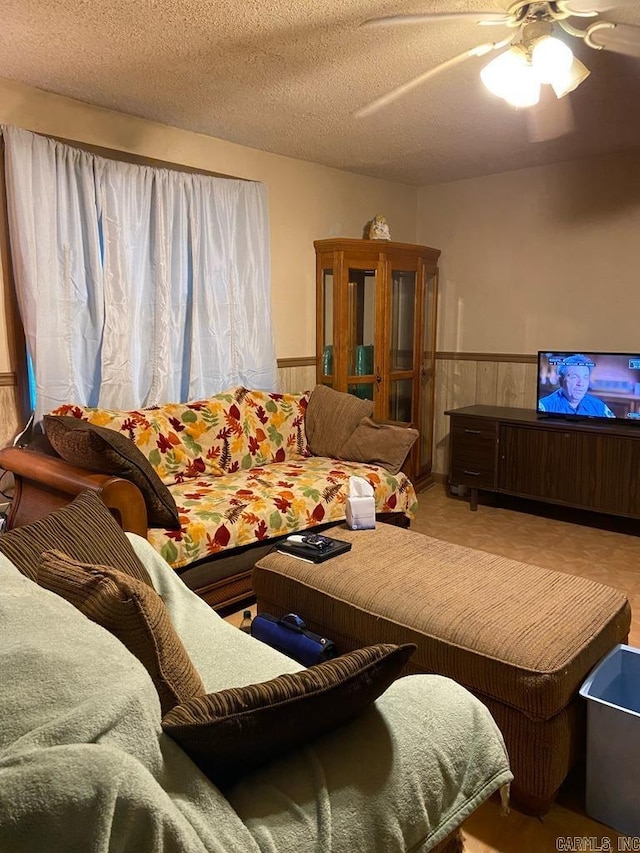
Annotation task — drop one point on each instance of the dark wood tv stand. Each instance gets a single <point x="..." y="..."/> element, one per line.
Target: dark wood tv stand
<point x="582" y="464"/>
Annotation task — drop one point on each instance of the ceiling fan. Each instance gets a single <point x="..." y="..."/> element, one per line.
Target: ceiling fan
<point x="531" y="54"/>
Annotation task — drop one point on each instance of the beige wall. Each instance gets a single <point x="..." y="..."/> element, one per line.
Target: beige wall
<point x="307" y="202"/>
<point x="543" y="257"/>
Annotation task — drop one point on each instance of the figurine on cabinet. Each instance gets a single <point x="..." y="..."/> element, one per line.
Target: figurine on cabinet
<point x="379" y="229"/>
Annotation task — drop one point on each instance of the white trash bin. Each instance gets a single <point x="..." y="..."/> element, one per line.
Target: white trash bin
<point x="612" y="690"/>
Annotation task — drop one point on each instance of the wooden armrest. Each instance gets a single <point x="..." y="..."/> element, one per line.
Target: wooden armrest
<point x="44" y="483"/>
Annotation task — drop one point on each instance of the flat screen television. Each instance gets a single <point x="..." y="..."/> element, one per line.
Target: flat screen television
<point x="589" y="385"/>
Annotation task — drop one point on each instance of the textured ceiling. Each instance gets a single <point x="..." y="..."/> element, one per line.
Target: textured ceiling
<point x="286" y="75"/>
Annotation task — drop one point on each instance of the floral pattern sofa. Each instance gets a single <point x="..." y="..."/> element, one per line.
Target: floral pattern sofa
<point x="240" y="472"/>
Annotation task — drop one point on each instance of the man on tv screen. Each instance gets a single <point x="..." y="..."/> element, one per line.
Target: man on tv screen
<point x="571" y="398"/>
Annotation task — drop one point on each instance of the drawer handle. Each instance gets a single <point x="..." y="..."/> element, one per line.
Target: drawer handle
<point x="473" y="473"/>
<point x="473" y="431"/>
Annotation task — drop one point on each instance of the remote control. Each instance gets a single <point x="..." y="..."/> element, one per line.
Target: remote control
<point x="316" y="541"/>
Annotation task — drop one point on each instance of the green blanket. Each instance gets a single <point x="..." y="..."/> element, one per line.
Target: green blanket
<point x="84" y="765"/>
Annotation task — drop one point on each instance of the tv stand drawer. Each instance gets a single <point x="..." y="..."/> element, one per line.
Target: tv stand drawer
<point x="474" y="452"/>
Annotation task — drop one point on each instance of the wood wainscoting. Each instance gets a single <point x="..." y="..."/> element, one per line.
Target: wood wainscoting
<point x="297" y="374"/>
<point x="10" y="421"/>
<point x="476" y="378"/>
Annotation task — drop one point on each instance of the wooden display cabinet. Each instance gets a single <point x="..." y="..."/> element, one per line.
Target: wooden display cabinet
<point x="376" y="332"/>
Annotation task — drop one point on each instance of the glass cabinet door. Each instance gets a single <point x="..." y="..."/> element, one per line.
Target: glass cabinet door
<point x="402" y="344"/>
<point x="327" y="350"/>
<point x="403" y="308"/>
<point x="361" y="354"/>
<point x="427" y="374"/>
<point x="401" y="400"/>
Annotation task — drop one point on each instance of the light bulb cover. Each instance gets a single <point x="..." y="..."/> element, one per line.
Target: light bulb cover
<point x="570" y="81"/>
<point x="512" y="77"/>
<point x="551" y="59"/>
<point x="495" y="75"/>
<point x="524" y="88"/>
<point x="517" y="74"/>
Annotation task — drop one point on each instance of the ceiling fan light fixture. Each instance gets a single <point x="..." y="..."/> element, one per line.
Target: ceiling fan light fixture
<point x="524" y="89"/>
<point x="567" y="83"/>
<point x="512" y="77"/>
<point x="551" y="58"/>
<point x="495" y="75"/>
<point x="537" y="58"/>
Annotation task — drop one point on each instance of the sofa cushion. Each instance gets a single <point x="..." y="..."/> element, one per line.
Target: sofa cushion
<point x="274" y="425"/>
<point x="379" y="444"/>
<point x="331" y="418"/>
<point x="169" y="436"/>
<point x="134" y="613"/>
<point x="233" y="430"/>
<point x="84" y="529"/>
<point x="231" y="732"/>
<point x="272" y="500"/>
<point x="109" y="452"/>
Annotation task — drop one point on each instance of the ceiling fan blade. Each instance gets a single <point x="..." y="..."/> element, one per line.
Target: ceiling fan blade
<point x="582" y="6"/>
<point x="619" y="38"/>
<point x="399" y="91"/>
<point x="550" y="118"/>
<point x="420" y="17"/>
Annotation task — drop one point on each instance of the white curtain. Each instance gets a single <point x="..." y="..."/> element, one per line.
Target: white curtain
<point x="137" y="286"/>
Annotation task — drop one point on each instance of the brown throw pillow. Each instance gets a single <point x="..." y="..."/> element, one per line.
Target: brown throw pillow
<point x="84" y="529"/>
<point x="330" y="419"/>
<point x="108" y="451"/>
<point x="232" y="732"/>
<point x="379" y="444"/>
<point x="131" y="611"/>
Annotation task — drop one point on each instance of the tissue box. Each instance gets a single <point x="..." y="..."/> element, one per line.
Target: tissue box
<point x="361" y="513"/>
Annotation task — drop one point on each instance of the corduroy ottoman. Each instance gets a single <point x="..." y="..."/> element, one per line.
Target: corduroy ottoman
<point x="519" y="637"/>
